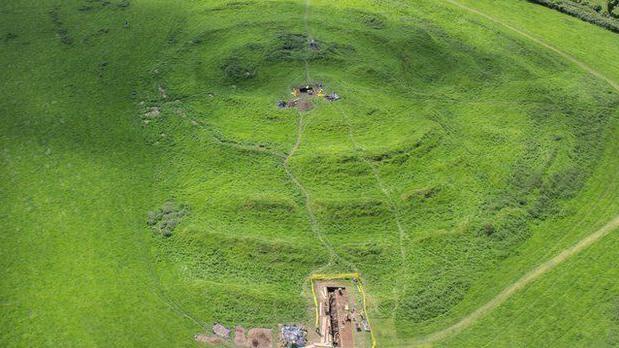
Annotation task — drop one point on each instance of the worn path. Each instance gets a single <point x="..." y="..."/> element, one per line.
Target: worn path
<point x="315" y="226"/>
<point x="306" y="195"/>
<point x="558" y="259"/>
<point x="402" y="235"/>
<point x="565" y="55"/>
<point x="522" y="282"/>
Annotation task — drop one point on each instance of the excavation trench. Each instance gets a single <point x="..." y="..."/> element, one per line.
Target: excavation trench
<point x="338" y="317"/>
<point x="341" y="317"/>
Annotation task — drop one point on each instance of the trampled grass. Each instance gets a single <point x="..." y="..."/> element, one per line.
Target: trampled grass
<point x="461" y="155"/>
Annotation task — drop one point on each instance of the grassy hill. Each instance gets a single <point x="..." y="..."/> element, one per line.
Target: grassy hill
<point x="462" y="154"/>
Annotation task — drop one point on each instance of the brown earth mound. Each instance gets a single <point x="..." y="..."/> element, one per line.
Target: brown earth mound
<point x="260" y="338"/>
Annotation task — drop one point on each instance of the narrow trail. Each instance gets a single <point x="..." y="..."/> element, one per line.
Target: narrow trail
<point x="565" y="55"/>
<point x="160" y="292"/>
<point x="221" y="140"/>
<point x="400" y="288"/>
<point x="315" y="226"/>
<point x="173" y="305"/>
<point x="391" y="201"/>
<point x="256" y="148"/>
<point x="285" y="163"/>
<point x="549" y="265"/>
<point x="306" y="195"/>
<point x="466" y="321"/>
<point x="309" y="37"/>
<point x="521" y="283"/>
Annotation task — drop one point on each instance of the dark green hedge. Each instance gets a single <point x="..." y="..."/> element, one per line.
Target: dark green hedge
<point x="583" y="12"/>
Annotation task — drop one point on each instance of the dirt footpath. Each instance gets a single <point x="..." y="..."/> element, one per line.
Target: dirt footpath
<point x="521" y="283"/>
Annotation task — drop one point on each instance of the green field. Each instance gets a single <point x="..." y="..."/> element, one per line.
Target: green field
<point x="473" y="142"/>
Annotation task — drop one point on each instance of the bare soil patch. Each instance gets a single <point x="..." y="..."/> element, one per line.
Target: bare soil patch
<point x="209" y="340"/>
<point x="260" y="338"/>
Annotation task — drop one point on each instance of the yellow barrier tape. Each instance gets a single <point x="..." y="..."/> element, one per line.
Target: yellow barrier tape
<point x="315" y="304"/>
<point x="357" y="280"/>
<point x="335" y="276"/>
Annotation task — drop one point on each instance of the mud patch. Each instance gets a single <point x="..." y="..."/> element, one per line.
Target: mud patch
<point x="260" y="338"/>
<point x="301" y="104"/>
<point x="256" y="338"/>
<point x="209" y="340"/>
<point x="240" y="340"/>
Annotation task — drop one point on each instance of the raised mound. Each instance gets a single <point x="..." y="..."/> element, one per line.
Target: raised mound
<point x="152" y="186"/>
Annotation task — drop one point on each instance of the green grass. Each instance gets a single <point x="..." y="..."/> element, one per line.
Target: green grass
<point x="574" y="306"/>
<point x="495" y="154"/>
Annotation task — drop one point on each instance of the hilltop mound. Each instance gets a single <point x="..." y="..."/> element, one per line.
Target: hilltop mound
<point x="459" y="153"/>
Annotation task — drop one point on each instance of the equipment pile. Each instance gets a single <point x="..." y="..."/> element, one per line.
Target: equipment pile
<point x="302" y="96"/>
<point x="293" y="336"/>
